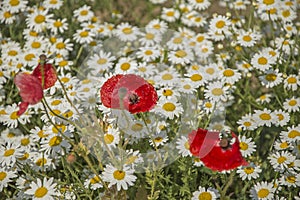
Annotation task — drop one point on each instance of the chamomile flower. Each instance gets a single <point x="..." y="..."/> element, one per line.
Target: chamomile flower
<point x="93" y="182"/>
<point x="168" y="92"/>
<point x="248" y="122"/>
<point x="6" y="16"/>
<point x="181" y="56"/>
<point x="290" y="180"/>
<point x="262" y="61"/>
<point x="170" y="14"/>
<point x="42" y="190"/>
<point x="287" y="14"/>
<point x="101" y="62"/>
<point x="211" y="71"/>
<point x="15" y="6"/>
<point x="281" y="145"/>
<point x="265" y="98"/>
<point x="187" y="86"/>
<point x="125" y="65"/>
<point x="203" y="193"/>
<point x="291" y="82"/>
<point x="145" y="69"/>
<point x="41" y="161"/>
<point x="281" y="160"/>
<point x="264" y="117"/>
<point x="168" y="77"/>
<point x="200" y="5"/>
<point x="133" y="158"/>
<point x="5" y="178"/>
<point x="240" y="4"/>
<point x="126" y="32"/>
<point x="249" y="172"/>
<point x="29" y="58"/>
<point x="247" y="146"/>
<point x="10" y="118"/>
<point x="183" y="146"/>
<point x="216" y="91"/>
<point x="9" y="154"/>
<point x="39" y="45"/>
<point x="292" y="104"/>
<point x="58" y="25"/>
<point x="11" y="51"/>
<point x="177" y="42"/>
<point x="271" y="78"/>
<point x="122" y="177"/>
<point x="62" y="47"/>
<point x="285" y="44"/>
<point x="168" y="108"/>
<point x="50" y="4"/>
<point x="83" y="13"/>
<point x="38" y="20"/>
<point x="262" y="190"/>
<point x="230" y="75"/>
<point x="282" y="117"/>
<point x="248" y="38"/>
<point x="158" y="139"/>
<point x="111" y="137"/>
<point x="55" y="144"/>
<point x="83" y="36"/>
<point x="219" y="24"/>
<point x="150" y="38"/>
<point x="292" y="134"/>
<point x="148" y="54"/>
<point x="157" y="26"/>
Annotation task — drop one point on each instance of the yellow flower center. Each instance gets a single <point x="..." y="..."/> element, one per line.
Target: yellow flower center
<point x="84" y="34"/>
<point x="41" y="192"/>
<point x="84" y="12"/>
<point x="262" y="61"/>
<point x="180" y="54"/>
<point x="60" y="45"/>
<point x="55" y="141"/>
<point x="127" y="30"/>
<point x="7" y="15"/>
<point x="149" y="36"/>
<point x="204" y="50"/>
<point x="40" y="19"/>
<point x="2" y="176"/>
<point x="293" y="134"/>
<point x="280" y="117"/>
<point x="14" y="2"/>
<point x="130" y="160"/>
<point x="281" y="159"/>
<point x="158" y="139"/>
<point x="29" y="57"/>
<point x="217" y="91"/>
<point x="271" y="77"/>
<point x="53" y="2"/>
<point x="208" y="105"/>
<point x="125" y="66"/>
<point x="268" y="2"/>
<point x="14" y="115"/>
<point x="196" y="77"/>
<point x="95" y="180"/>
<point x="187" y="145"/>
<point x="167" y="77"/>
<point x="36" y="45"/>
<point x="199" y="1"/>
<point x="108" y="138"/>
<point x="119" y="174"/>
<point x="137" y="127"/>
<point x="220" y="24"/>
<point x="177" y="40"/>
<point x="167" y="92"/>
<point x="41" y="162"/>
<point x="9" y="152"/>
<point x="247" y="124"/>
<point x="156" y="26"/>
<point x="286" y="13"/>
<point x="292" y="102"/>
<point x="291" y="179"/>
<point x="262" y="193"/>
<point x="148" y="52"/>
<point x="59" y="128"/>
<point x="24" y="157"/>
<point x="243" y="146"/>
<point x="56" y="102"/>
<point x="142" y="69"/>
<point x="25" y="141"/>
<point x="187" y="87"/>
<point x="63" y="63"/>
<point x="284" y="145"/>
<point x="170" y="13"/>
<point x="210" y="71"/>
<point x="68" y="114"/>
<point x="57" y="24"/>
<point x="55" y="112"/>
<point x="102" y="61"/>
<point x="248" y="170"/>
<point x="205" y="196"/>
<point x="170" y="107"/>
<point x="228" y="73"/>
<point x="247" y="38"/>
<point x="12" y="53"/>
<point x="265" y="116"/>
<point x="200" y="38"/>
<point x="292" y="80"/>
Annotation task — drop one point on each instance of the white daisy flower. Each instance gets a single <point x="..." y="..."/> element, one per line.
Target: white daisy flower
<point x="230" y="75"/>
<point x="248" y="122"/>
<point x="187" y="86"/>
<point x="168" y="108"/>
<point x="281" y="160"/>
<point x="145" y="69"/>
<point x="283" y="117"/>
<point x="249" y="172"/>
<point x="83" y="36"/>
<point x="200" y="5"/>
<point x="168" y="92"/>
<point x="203" y="193"/>
<point x="183" y="146"/>
<point x="5" y="178"/>
<point x="101" y="62"/>
<point x="50" y="4"/>
<point x="211" y="71"/>
<point x="263" y="191"/>
<point x="6" y="16"/>
<point x="39" y="45"/>
<point x="181" y="56"/>
<point x="126" y="32"/>
<point x="271" y="78"/>
<point x="43" y="190"/>
<point x="150" y="38"/>
<point x="122" y="177"/>
<point x="264" y="117"/>
<point x="15" y="6"/>
<point x="265" y="98"/>
<point x="219" y="24"/>
<point x="38" y="20"/>
<point x="292" y="104"/>
<point x="58" y="25"/>
<point x="125" y="65"/>
<point x="216" y="91"/>
<point x="158" y="139"/>
<point x="133" y="158"/>
<point x="55" y="144"/>
<point x="262" y="61"/>
<point x="292" y="134"/>
<point x="240" y="4"/>
<point x="247" y="146"/>
<point x="198" y="162"/>
<point x="41" y="161"/>
<point x="291" y="82"/>
<point x="290" y="180"/>
<point x="83" y="13"/>
<point x="157" y="26"/>
<point x="10" y="152"/>
<point x="170" y="14"/>
<point x="248" y="38"/>
<point x="62" y="47"/>
<point x="148" y="54"/>
<point x="112" y="137"/>
<point x="281" y="145"/>
<point x="168" y="77"/>
<point x="93" y="182"/>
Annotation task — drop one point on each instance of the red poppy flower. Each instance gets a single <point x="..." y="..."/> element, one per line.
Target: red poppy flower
<point x="130" y="92"/>
<point x="216" y="153"/>
<point x="31" y="90"/>
<point x="46" y="71"/>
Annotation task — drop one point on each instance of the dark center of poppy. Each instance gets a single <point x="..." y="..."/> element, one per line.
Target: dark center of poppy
<point x="225" y="143"/>
<point x="133" y="98"/>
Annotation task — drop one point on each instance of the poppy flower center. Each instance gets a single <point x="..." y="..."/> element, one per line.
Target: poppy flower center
<point x="224" y="143"/>
<point x="133" y="99"/>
